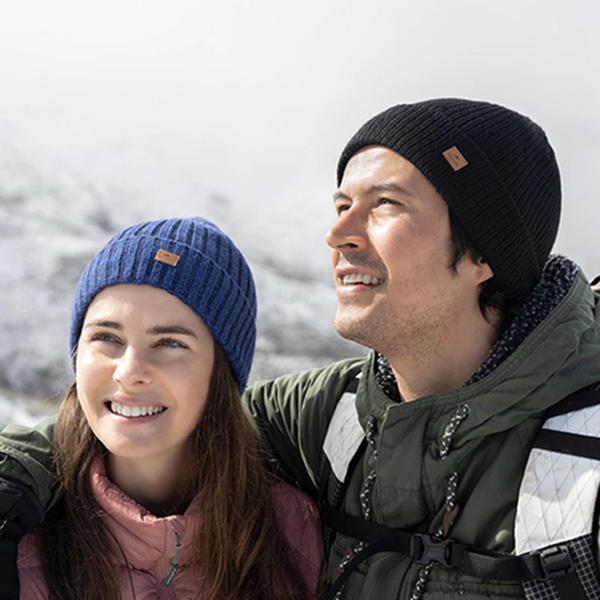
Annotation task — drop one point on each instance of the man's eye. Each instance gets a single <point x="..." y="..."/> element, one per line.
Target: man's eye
<point x="388" y="201"/>
<point x="342" y="208"/>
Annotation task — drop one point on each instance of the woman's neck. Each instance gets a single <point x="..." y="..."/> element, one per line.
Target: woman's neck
<point x="155" y="483"/>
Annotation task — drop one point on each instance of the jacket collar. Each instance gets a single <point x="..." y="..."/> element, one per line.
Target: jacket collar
<point x="144" y="537"/>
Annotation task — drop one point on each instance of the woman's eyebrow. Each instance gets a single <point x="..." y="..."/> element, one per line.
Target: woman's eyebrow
<point x="156" y="330"/>
<point x="104" y="323"/>
<point x="171" y="329"/>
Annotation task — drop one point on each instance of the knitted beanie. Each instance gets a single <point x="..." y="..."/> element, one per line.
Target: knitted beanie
<point x="494" y="167"/>
<point x="193" y="260"/>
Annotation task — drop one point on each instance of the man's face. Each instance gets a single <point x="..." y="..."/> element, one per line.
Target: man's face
<point x="391" y="252"/>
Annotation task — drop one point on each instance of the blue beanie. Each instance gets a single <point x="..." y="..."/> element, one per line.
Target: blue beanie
<point x="193" y="260"/>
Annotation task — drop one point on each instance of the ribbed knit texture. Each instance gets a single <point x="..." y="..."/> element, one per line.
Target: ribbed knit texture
<point x="508" y="195"/>
<point x="211" y="277"/>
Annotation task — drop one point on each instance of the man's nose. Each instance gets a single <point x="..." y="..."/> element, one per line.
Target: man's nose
<point x="132" y="367"/>
<point x="349" y="232"/>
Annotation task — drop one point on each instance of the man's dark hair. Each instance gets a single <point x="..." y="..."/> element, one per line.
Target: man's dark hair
<point x="492" y="295"/>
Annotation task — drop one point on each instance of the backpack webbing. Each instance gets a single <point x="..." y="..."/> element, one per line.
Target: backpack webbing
<point x="566" y="571"/>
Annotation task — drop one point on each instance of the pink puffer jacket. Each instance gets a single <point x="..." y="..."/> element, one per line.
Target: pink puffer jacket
<point x="150" y="544"/>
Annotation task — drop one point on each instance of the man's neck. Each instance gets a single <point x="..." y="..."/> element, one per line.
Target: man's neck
<point x="448" y="365"/>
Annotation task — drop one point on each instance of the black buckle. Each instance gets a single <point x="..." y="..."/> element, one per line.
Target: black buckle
<point x="556" y="561"/>
<point x="425" y="548"/>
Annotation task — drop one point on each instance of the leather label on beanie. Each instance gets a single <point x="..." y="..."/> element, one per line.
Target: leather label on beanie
<point x="455" y="158"/>
<point x="167" y="257"/>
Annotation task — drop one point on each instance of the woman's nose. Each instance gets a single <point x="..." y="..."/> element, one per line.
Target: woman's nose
<point x="132" y="367"/>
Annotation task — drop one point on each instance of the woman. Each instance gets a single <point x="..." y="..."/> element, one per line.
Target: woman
<point x="166" y="495"/>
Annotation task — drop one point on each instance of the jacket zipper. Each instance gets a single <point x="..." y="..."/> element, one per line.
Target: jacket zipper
<point x="168" y="578"/>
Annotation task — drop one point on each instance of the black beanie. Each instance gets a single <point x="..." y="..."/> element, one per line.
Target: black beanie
<point x="494" y="167"/>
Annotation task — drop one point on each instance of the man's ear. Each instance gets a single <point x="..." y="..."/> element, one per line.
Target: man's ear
<point x="484" y="270"/>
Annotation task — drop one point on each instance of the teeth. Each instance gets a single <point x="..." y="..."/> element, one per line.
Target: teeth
<point x="360" y="278"/>
<point x="126" y="410"/>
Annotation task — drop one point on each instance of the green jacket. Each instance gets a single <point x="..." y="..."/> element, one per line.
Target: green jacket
<point x="488" y="450"/>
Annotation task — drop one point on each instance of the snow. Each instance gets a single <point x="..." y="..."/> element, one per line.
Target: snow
<point x="18" y="411"/>
<point x="53" y="220"/>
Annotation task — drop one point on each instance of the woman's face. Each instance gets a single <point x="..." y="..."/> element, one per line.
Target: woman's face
<point x="144" y="362"/>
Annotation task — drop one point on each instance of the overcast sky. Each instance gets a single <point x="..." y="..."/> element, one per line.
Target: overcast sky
<point x="255" y="99"/>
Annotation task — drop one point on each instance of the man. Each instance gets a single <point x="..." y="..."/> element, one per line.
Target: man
<point x="447" y="212"/>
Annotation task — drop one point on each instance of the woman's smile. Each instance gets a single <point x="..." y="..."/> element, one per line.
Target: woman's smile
<point x="144" y="363"/>
<point x="134" y="410"/>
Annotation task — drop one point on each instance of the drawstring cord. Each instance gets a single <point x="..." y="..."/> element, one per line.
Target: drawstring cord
<point x="450" y="514"/>
<point x="459" y="416"/>
<point x="419" y="586"/>
<point x="451" y="506"/>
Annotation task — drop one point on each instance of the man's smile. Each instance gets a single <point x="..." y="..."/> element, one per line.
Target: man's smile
<point x="354" y="278"/>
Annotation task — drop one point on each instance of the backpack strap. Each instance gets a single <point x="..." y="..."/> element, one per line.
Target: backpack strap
<point x="424" y="548"/>
<point x="557" y="506"/>
<point x="343" y="447"/>
<point x="554" y="572"/>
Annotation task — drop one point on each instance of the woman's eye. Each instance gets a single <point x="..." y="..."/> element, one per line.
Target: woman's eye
<point x="171" y="343"/>
<point x="103" y="336"/>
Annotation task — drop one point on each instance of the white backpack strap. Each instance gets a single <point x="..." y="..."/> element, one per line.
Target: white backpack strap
<point x="558" y="492"/>
<point x="344" y="433"/>
<point x="556" y="505"/>
<point x="341" y="451"/>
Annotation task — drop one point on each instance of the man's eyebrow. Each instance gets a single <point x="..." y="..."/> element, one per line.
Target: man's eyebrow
<point x="338" y="195"/>
<point x="171" y="329"/>
<point x="389" y="187"/>
<point x="376" y="189"/>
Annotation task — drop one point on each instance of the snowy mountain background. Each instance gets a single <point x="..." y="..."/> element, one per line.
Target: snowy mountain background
<point x="114" y="112"/>
<point x="52" y="221"/>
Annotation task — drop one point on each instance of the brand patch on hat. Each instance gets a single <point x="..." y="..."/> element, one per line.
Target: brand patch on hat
<point x="455" y="158"/>
<point x="167" y="257"/>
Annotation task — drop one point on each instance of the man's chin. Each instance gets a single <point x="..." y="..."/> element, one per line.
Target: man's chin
<point x="352" y="330"/>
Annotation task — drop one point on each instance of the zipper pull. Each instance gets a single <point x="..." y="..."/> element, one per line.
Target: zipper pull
<point x="168" y="578"/>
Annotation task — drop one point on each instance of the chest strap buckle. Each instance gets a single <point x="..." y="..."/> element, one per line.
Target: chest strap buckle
<point x="556" y="561"/>
<point x="425" y="548"/>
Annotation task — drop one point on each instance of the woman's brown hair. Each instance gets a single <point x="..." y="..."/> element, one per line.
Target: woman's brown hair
<point x="239" y="549"/>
